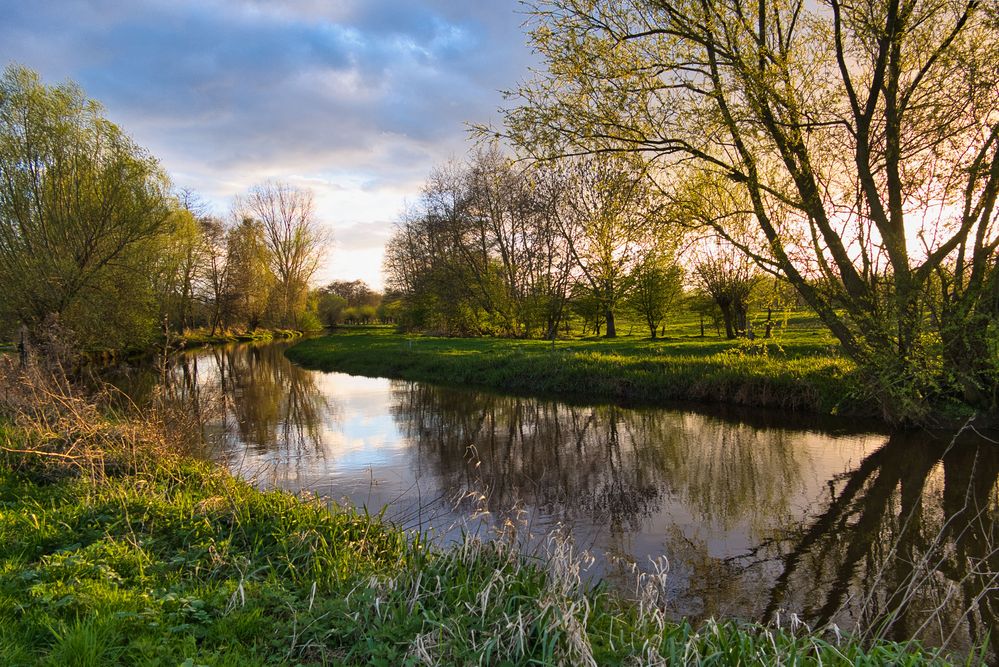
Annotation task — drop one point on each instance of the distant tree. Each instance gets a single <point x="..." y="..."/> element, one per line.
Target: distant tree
<point x="250" y="278"/>
<point x="656" y="287"/>
<point x="330" y="308"/>
<point x="354" y="292"/>
<point x="588" y="306"/>
<point x="729" y="277"/>
<point x="215" y="270"/>
<point x="391" y="308"/>
<point x="776" y="296"/>
<point x="703" y="305"/>
<point x="606" y="219"/>
<point x="294" y="238"/>
<point x="83" y="213"/>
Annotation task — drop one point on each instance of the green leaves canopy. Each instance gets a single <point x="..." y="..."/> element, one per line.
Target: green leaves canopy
<point x="82" y="209"/>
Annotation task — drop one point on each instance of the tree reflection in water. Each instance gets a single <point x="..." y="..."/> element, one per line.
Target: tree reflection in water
<point x="902" y="545"/>
<point x="269" y="406"/>
<point x="905" y="548"/>
<point x="611" y="464"/>
<point x="895" y="534"/>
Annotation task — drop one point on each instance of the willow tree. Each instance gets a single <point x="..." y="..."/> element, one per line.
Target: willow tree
<point x="865" y="137"/>
<point x="82" y="209"/>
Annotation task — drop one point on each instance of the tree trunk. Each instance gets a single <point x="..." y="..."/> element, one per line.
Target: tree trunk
<point x="611" y="329"/>
<point x="729" y="318"/>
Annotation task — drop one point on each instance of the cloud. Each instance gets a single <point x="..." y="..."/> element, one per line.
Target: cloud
<point x="363" y="235"/>
<point x="361" y="95"/>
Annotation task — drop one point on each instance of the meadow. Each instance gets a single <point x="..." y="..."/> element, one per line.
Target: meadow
<point x="798" y="369"/>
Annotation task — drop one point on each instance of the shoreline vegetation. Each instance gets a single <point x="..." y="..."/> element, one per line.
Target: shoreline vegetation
<point x="201" y="337"/>
<point x="116" y="548"/>
<point x="187" y="340"/>
<point x="800" y="373"/>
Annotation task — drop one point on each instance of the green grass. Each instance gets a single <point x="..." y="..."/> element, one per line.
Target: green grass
<point x="799" y="369"/>
<point x="181" y="564"/>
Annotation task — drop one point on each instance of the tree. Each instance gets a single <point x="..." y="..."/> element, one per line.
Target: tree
<point x="608" y="209"/>
<point x="83" y="210"/>
<point x="864" y="136"/>
<point x="729" y="277"/>
<point x="180" y="264"/>
<point x="216" y="268"/>
<point x="331" y="307"/>
<point x="353" y="292"/>
<point x="656" y="286"/>
<point x="295" y="240"/>
<point x="250" y="278"/>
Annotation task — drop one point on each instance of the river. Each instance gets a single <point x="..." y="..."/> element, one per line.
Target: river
<point x="751" y="515"/>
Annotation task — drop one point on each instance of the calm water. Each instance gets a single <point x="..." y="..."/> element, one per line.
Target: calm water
<point x="755" y="517"/>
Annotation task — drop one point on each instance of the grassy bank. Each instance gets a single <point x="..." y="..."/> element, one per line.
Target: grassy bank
<point x="118" y="549"/>
<point x="800" y="371"/>
<point x="199" y="337"/>
<point x="179" y="563"/>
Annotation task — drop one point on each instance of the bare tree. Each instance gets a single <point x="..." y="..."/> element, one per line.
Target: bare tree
<point x="295" y="239"/>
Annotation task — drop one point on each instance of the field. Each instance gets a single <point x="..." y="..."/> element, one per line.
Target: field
<point x="799" y="369"/>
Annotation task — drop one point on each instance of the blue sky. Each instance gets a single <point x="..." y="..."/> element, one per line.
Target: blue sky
<point x="356" y="99"/>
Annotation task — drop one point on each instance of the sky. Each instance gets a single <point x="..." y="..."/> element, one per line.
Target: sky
<point x="355" y="99"/>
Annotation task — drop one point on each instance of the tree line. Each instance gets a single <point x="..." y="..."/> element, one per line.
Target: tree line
<point x="530" y="249"/>
<point x="95" y="240"/>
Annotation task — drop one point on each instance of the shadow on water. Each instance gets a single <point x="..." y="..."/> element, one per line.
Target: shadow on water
<point x="906" y="545"/>
<point x="759" y="517"/>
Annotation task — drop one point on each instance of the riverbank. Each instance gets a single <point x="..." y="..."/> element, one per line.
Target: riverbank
<point x="176" y="562"/>
<point x="797" y="374"/>
<point x="201" y="337"/>
<point x="116" y="547"/>
<point x="190" y="339"/>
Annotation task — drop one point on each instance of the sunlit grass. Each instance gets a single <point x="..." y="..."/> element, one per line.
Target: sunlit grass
<point x="799" y="369"/>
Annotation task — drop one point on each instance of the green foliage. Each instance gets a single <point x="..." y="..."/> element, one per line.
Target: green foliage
<point x="793" y="131"/>
<point x="656" y="287"/>
<point x="250" y="279"/>
<point x="331" y="307"/>
<point x="83" y="214"/>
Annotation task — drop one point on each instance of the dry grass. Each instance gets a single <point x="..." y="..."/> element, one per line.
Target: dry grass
<point x="64" y="425"/>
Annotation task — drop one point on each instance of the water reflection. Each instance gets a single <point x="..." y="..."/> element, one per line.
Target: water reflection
<point x="757" y="519"/>
<point x="606" y="464"/>
<point x="907" y="543"/>
<point x="253" y="401"/>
